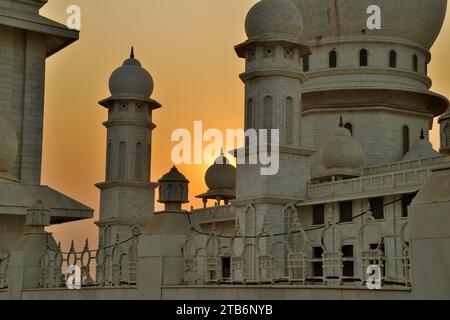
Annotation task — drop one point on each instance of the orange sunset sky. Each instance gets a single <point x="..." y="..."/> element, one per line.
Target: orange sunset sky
<point x="187" y="46"/>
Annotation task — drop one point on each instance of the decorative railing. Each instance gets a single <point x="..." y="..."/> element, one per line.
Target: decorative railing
<point x="216" y="212"/>
<point x="405" y="165"/>
<point x="392" y="180"/>
<point x="115" y="265"/>
<point x="4" y="262"/>
<point x="290" y="258"/>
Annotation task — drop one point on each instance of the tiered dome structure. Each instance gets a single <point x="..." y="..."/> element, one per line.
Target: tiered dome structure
<point x="378" y="79"/>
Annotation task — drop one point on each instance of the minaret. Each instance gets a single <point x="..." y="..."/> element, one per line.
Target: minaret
<point x="273" y="79"/>
<point x="273" y="73"/>
<point x="127" y="195"/>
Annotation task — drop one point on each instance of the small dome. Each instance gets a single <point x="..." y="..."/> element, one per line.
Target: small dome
<point x="8" y="145"/>
<point x="221" y="175"/>
<point x="173" y="176"/>
<point x="274" y="18"/>
<point x="341" y="150"/>
<point x="131" y="80"/>
<point x="422" y="149"/>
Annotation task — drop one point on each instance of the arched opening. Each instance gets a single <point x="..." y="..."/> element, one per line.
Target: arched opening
<point x="250" y="231"/>
<point x="392" y="59"/>
<point x="170" y="195"/>
<point x="122" y="160"/>
<point x="139" y="162"/>
<point x="181" y="192"/>
<point x="250" y="119"/>
<point x="268" y="116"/>
<point x="415" y="63"/>
<point x="333" y="59"/>
<point x="109" y="161"/>
<point x="363" y="58"/>
<point x="305" y="63"/>
<point x="405" y="140"/>
<point x="289" y="121"/>
<point x="447" y="135"/>
<point x="349" y="127"/>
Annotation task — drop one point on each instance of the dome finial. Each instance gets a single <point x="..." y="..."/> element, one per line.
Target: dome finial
<point x="221" y="152"/>
<point x="132" y="53"/>
<point x="341" y="123"/>
<point x="422" y="135"/>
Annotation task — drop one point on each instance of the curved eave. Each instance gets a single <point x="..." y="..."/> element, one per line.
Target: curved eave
<point x="242" y="48"/>
<point x="109" y="101"/>
<point x="436" y="104"/>
<point x="16" y="198"/>
<point x="213" y="194"/>
<point x="58" y="36"/>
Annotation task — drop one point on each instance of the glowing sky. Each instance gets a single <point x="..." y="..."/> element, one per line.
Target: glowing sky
<point x="187" y="45"/>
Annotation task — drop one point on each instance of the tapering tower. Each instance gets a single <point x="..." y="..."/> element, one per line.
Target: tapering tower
<point x="273" y="78"/>
<point x="127" y="195"/>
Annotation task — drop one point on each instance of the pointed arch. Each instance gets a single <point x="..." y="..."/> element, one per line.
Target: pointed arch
<point x="332" y="59"/>
<point x="349" y="127"/>
<point x="305" y="62"/>
<point x="289" y="121"/>
<point x="139" y="162"/>
<point x="122" y="160"/>
<point x="415" y="63"/>
<point x="170" y="195"/>
<point x="392" y="59"/>
<point x="363" y="58"/>
<point x="405" y="139"/>
<point x="250" y="114"/>
<point x="109" y="161"/>
<point x="447" y="135"/>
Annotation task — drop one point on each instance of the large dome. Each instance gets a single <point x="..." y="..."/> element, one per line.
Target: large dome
<point x="8" y="145"/>
<point x="131" y="80"/>
<point x="415" y="20"/>
<point x="273" y="18"/>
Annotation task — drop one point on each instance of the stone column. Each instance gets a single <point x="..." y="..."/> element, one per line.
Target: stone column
<point x="25" y="261"/>
<point x="161" y="260"/>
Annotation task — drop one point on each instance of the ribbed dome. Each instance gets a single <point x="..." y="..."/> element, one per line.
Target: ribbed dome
<point x="341" y="150"/>
<point x="173" y="176"/>
<point x="422" y="149"/>
<point x="221" y="175"/>
<point x="131" y="80"/>
<point x="8" y="145"/>
<point x="415" y="20"/>
<point x="274" y="18"/>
